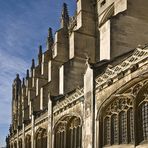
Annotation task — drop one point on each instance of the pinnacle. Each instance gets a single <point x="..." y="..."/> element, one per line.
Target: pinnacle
<point x="50" y="40"/>
<point x="27" y="73"/>
<point x="65" y="16"/>
<point x="40" y="50"/>
<point x="33" y="64"/>
<point x="23" y="84"/>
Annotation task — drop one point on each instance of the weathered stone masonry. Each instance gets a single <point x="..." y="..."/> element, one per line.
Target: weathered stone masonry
<point x="89" y="89"/>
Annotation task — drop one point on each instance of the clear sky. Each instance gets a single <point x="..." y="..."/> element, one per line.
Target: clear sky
<point x="23" y="27"/>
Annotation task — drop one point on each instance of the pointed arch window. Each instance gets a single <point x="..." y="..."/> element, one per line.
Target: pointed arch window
<point x="118" y="122"/>
<point x="131" y="125"/>
<point x="123" y="127"/>
<point x="68" y="133"/>
<point x="28" y="141"/>
<point x="144" y="116"/>
<point x="41" y="138"/>
<point x="114" y="129"/>
<point x="107" y="131"/>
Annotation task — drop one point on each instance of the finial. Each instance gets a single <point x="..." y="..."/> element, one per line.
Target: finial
<point x="27" y="74"/>
<point x="40" y="49"/>
<point x="17" y="75"/>
<point x="33" y="64"/>
<point x="40" y="55"/>
<point x="65" y="16"/>
<point x="50" y="39"/>
<point x="23" y="82"/>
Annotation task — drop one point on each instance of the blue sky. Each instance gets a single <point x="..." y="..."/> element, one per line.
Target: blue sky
<point x="23" y="27"/>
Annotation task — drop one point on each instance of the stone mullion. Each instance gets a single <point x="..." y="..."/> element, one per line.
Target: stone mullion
<point x="57" y="140"/>
<point x="45" y="141"/>
<point x="71" y="138"/>
<point x="60" y="140"/>
<point x="64" y="134"/>
<point x="78" y="136"/>
<point x="126" y="126"/>
<point x="118" y="127"/>
<point x="75" y="137"/>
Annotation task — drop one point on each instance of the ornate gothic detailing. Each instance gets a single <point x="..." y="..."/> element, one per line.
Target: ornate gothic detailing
<point x="118" y="121"/>
<point x="118" y="71"/>
<point x="68" y="133"/>
<point x="69" y="100"/>
<point x="143" y="113"/>
<point x="20" y="143"/>
<point x="72" y="22"/>
<point x="41" y="138"/>
<point x="28" y="141"/>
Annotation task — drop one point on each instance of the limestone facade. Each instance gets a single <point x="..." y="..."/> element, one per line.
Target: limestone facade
<point x="89" y="88"/>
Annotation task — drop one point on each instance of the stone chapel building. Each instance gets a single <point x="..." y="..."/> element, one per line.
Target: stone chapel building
<point x="89" y="89"/>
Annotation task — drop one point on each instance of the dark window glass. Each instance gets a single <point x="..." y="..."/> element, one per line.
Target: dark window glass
<point x="107" y="131"/>
<point x="123" y="127"/>
<point x="114" y="129"/>
<point x="145" y="120"/>
<point x="131" y="125"/>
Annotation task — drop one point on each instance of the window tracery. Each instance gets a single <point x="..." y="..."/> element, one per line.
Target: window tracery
<point x="68" y="133"/>
<point x="28" y="141"/>
<point x="144" y="111"/>
<point x="117" y="129"/>
<point x="41" y="138"/>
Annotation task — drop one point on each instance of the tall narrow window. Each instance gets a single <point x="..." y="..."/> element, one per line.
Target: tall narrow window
<point x="144" y="110"/>
<point x="68" y="133"/>
<point x="123" y="127"/>
<point x="114" y="129"/>
<point x="107" y="131"/>
<point x="131" y="125"/>
<point x="118" y="122"/>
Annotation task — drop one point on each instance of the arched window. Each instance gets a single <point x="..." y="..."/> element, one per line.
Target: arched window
<point x="118" y="121"/>
<point x="41" y="138"/>
<point x="20" y="143"/>
<point x="144" y="112"/>
<point x="44" y="139"/>
<point x="123" y="127"/>
<point x="131" y="125"/>
<point x="28" y="141"/>
<point x="107" y="131"/>
<point x="15" y="144"/>
<point x="74" y="129"/>
<point x="143" y="109"/>
<point x="114" y="129"/>
<point x="68" y="133"/>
